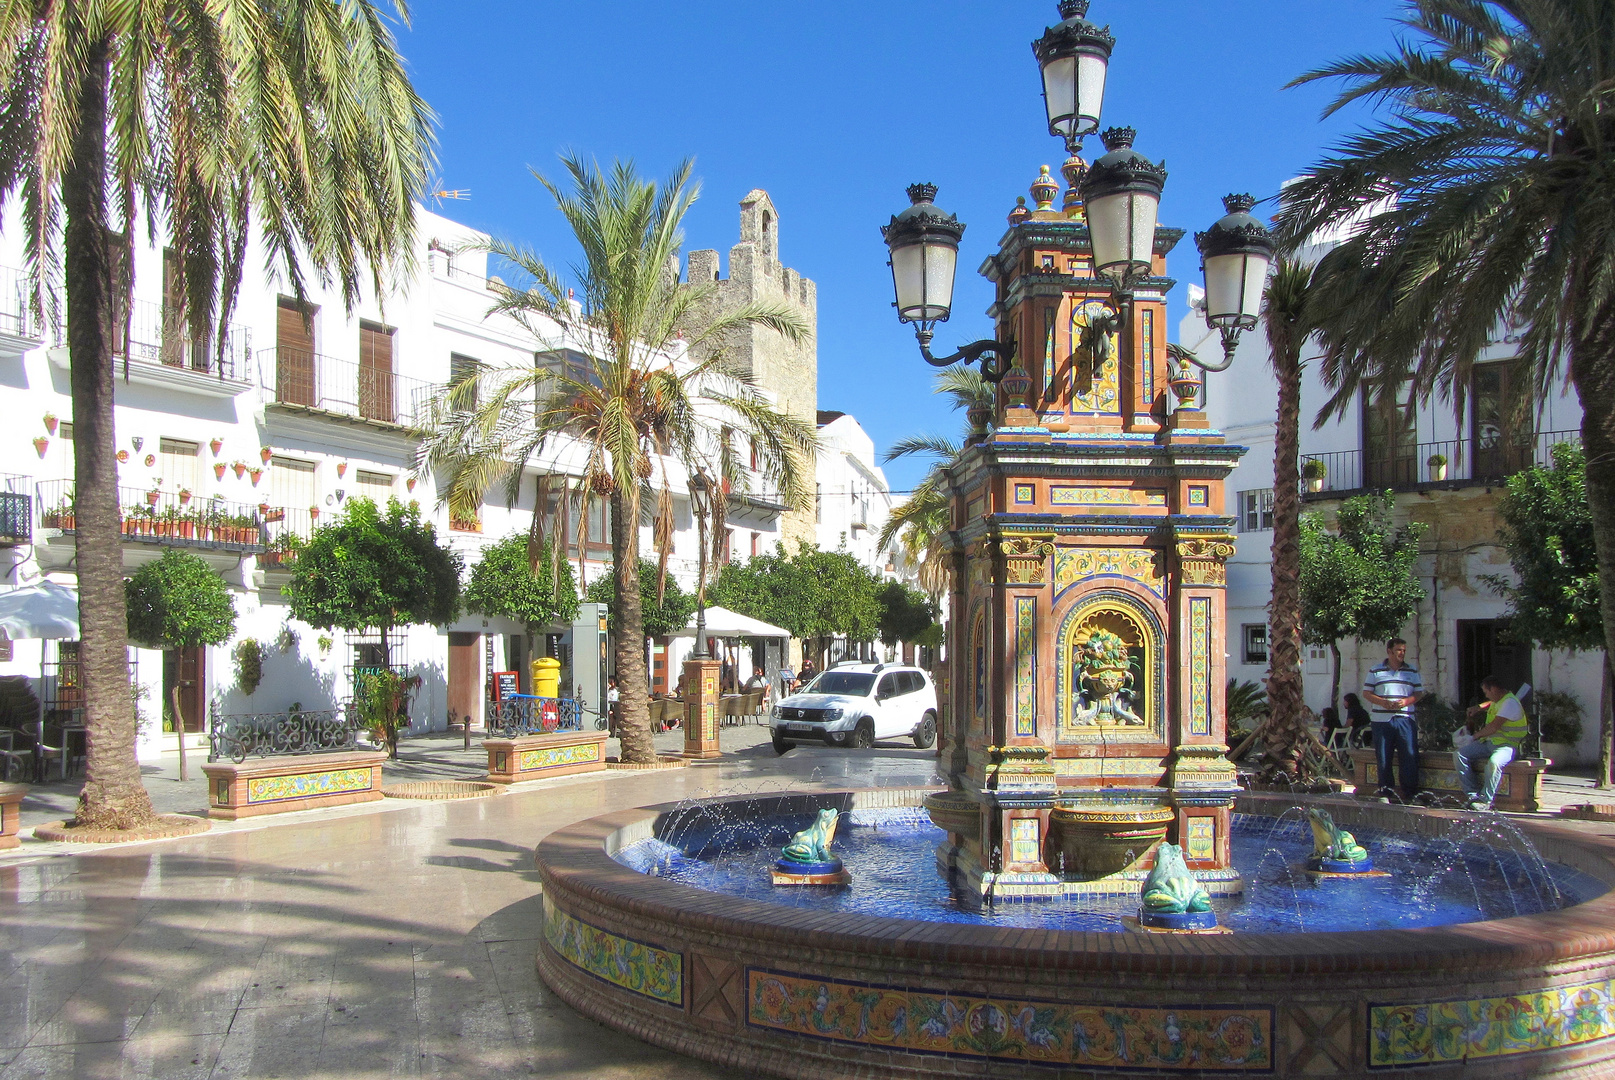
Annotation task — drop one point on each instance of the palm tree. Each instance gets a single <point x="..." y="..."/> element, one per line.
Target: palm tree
<point x="293" y="116"/>
<point x="631" y="401"/>
<point x="1286" y="312"/>
<point x="1484" y="202"/>
<point x="918" y="527"/>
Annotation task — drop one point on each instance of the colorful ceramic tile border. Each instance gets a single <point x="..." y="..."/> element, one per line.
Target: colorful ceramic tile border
<point x="1025" y="494"/>
<point x="1443" y="1031"/>
<point x="1095" y="496"/>
<point x="1439" y="779"/>
<point x="555" y="757"/>
<point x="1211" y="1040"/>
<point x="633" y="965"/>
<point x="1024" y="845"/>
<point x="1025" y="665"/>
<point x="265" y="789"/>
<point x="1074" y="565"/>
<point x="1146" y="339"/>
<point x="1107" y="767"/>
<point x="1199" y="496"/>
<point x="1201" y="841"/>
<point x="1200" y="665"/>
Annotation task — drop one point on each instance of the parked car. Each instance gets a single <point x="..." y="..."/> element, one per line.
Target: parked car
<point x="855" y="704"/>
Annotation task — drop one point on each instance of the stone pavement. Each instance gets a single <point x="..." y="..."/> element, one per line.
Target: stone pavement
<point x="380" y="940"/>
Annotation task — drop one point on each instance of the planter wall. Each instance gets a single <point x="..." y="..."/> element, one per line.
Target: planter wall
<point x="529" y="757"/>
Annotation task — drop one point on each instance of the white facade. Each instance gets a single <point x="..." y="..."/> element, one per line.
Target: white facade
<point x="296" y="419"/>
<point x="853" y="501"/>
<point x="1453" y="637"/>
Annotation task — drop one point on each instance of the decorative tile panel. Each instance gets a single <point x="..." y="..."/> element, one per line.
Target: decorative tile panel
<point x="633" y="965"/>
<point x="1025" y="494"/>
<point x="1438" y="779"/>
<point x="1187" y="1039"/>
<point x="1458" y="1031"/>
<point x="1073" y="565"/>
<point x="1130" y="767"/>
<point x="1095" y="380"/>
<point x="1025" y="665"/>
<point x="1199" y="496"/>
<point x="1024" y="845"/>
<point x="1107" y="496"/>
<point x="555" y="757"/>
<point x="1200" y="840"/>
<point x="1200" y="665"/>
<point x="265" y="789"/>
<point x="1146" y="372"/>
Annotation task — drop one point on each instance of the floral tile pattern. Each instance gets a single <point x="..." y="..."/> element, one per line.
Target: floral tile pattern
<point x="1025" y="665"/>
<point x="1200" y="666"/>
<point x="1213" y="1040"/>
<point x="554" y="757"/>
<point x="1490" y="1027"/>
<point x="262" y="789"/>
<point x="632" y="965"/>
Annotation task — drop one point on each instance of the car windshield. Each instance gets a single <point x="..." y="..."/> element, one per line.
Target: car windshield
<point x="854" y="683"/>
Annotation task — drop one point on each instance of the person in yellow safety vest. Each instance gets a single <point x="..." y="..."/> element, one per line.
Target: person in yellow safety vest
<point x="1480" y="764"/>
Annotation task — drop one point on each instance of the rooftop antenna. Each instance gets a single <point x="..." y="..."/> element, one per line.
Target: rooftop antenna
<point x="440" y="193"/>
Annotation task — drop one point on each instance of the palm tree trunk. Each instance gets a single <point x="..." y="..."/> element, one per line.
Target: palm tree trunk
<point x="633" y="685"/>
<point x="113" y="796"/>
<point x="1592" y="369"/>
<point x="1285" y="690"/>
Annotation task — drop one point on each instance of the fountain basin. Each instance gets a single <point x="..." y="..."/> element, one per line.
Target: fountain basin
<point x="793" y="992"/>
<point x="1096" y="842"/>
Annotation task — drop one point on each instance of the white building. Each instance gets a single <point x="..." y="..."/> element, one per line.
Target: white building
<point x="224" y="452"/>
<point x="1458" y="634"/>
<point x="853" y="501"/>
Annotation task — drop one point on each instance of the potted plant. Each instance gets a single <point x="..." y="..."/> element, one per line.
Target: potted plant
<point x="1559" y="717"/>
<point x="216" y="444"/>
<point x="341" y="469"/>
<point x="240" y="468"/>
<point x="314" y="513"/>
<point x="256" y="474"/>
<point x="185" y="526"/>
<point x="409" y="484"/>
<point x="50" y="423"/>
<point x="152" y="496"/>
<point x="1313" y="471"/>
<point x="1438" y="467"/>
<point x="266" y="453"/>
<point x="40" y="443"/>
<point x="218" y="470"/>
<point x="184" y="496"/>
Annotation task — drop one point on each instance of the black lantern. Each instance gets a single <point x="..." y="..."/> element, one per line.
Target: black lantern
<point x="1121" y="195"/>
<point x="924" y="245"/>
<point x="1235" y="254"/>
<point x="1074" y="58"/>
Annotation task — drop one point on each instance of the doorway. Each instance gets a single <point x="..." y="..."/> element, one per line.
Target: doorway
<point x="188" y="669"/>
<point x="1484" y="648"/>
<point x="465" y="675"/>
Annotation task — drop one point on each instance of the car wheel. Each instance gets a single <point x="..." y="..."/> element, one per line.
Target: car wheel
<point x="925" y="734"/>
<point x="781" y="746"/>
<point x="864" y="736"/>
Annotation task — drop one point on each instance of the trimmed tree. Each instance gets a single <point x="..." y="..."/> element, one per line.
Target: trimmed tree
<point x="376" y="570"/>
<point x="814" y="594"/>
<point x="515" y="581"/>
<point x="663" y="614"/>
<point x="178" y="602"/>
<point x="905" y="613"/>
<point x="1555" y="601"/>
<point x="1358" y="582"/>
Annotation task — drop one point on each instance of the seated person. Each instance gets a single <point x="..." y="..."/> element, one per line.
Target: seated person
<point x="1362" y="727"/>
<point x="1334" y="731"/>
<point x="1500" y="727"/>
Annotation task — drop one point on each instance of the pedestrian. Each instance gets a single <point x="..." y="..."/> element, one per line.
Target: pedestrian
<point x="1357" y="717"/>
<point x="806" y="675"/>
<point x="613" y="708"/>
<point x="1393" y="689"/>
<point x="1495" y="744"/>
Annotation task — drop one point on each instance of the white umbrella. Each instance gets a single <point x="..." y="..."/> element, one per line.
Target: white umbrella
<point x="723" y="623"/>
<point x="46" y="610"/>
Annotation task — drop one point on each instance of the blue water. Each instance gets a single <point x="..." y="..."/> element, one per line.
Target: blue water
<point x="1482" y="870"/>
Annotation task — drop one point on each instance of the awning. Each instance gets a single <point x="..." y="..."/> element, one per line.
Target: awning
<point x="46" y="610"/>
<point x="723" y="623"/>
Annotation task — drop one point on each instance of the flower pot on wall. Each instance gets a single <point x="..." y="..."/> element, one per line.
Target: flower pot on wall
<point x="218" y="470"/>
<point x="216" y="445"/>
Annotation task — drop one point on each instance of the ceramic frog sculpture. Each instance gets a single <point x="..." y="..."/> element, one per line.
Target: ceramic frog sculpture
<point x="812" y="844"/>
<point x="1170" y="888"/>
<point x="1330" y="841"/>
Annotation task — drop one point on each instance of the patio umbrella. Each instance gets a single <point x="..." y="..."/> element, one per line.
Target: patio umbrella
<point x="46" y="610"/>
<point x="723" y="623"/>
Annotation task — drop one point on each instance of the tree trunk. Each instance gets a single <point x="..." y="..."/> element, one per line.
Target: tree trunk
<point x="179" y="722"/>
<point x="633" y="684"/>
<point x="1334" y="686"/>
<point x="113" y="796"/>
<point x="1592" y="369"/>
<point x="1606" y="726"/>
<point x="1286" y="692"/>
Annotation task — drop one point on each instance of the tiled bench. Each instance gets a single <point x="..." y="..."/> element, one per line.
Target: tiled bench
<point x="1520" y="788"/>
<point x="276" y="785"/>
<point x="10" y="814"/>
<point x="532" y="757"/>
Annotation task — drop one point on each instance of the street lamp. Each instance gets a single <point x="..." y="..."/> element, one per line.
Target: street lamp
<point x="1121" y="196"/>
<point x="701" y="488"/>
<point x="1073" y="57"/>
<point x="924" y="245"/>
<point x="1235" y="254"/>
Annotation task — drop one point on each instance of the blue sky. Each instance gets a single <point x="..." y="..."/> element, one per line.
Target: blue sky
<point x="834" y="107"/>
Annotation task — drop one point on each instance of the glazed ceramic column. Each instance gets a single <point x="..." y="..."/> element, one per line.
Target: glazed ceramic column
<point x="701" y="707"/>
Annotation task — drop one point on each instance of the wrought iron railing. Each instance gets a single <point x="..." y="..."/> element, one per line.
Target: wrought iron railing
<point x="309" y="380"/>
<point x="1454" y="461"/>
<point x="19" y="316"/>
<point x="160" y="335"/>
<point x="238" y="736"/>
<point x="161" y="517"/>
<point x="523" y="714"/>
<point x="16" y="510"/>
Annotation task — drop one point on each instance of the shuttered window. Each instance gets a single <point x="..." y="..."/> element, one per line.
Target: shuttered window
<point x="179" y="464"/>
<point x="378" y="487"/>
<point x="376" y="373"/>
<point x="291" y="483"/>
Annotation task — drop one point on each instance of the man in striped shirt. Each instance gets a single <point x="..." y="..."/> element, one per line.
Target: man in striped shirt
<point x="1392" y="689"/>
<point x="1494" y="745"/>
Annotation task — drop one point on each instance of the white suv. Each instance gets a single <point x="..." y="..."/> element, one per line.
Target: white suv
<point x="855" y="704"/>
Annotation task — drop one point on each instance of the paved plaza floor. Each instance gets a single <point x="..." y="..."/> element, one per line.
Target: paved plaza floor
<point x="383" y="940"/>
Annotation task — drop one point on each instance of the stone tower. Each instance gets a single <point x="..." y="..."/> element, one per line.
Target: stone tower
<point x="788" y="371"/>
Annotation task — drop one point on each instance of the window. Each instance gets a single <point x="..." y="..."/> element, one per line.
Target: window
<point x="728" y="546"/>
<point x="375" y="486"/>
<point x="178" y="464"/>
<point x="597" y="530"/>
<point x="818" y="504"/>
<point x="291" y="483"/>
<point x="1500" y="420"/>
<point x="376" y="373"/>
<point x="1389" y="438"/>
<point x="64" y="449"/>
<point x="1255" y="643"/>
<point x="462" y="368"/>
<point x="1256" y="510"/>
<point x="756" y="544"/>
<point x="572" y="365"/>
<point x="753" y="454"/>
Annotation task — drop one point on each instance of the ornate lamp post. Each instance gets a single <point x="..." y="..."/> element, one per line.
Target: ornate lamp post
<point x="1235" y="254"/>
<point x="1121" y="196"/>
<point x="924" y="245"/>
<point x="1074" y="57"/>
<point x="701" y="488"/>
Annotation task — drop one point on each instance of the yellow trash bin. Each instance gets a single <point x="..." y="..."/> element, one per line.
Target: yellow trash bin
<point x="546" y="677"/>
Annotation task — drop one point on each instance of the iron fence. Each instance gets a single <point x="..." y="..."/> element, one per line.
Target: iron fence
<point x="161" y="517"/>
<point x="309" y="380"/>
<point x="238" y="736"/>
<point x="160" y="334"/>
<point x="19" y="315"/>
<point x="1490" y="460"/>
<point x="523" y="714"/>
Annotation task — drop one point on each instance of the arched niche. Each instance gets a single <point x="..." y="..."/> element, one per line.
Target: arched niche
<point x="1110" y="682"/>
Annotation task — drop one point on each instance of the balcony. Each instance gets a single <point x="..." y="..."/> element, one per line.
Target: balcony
<point x="1409" y="468"/>
<point x="21" y="328"/>
<point x="308" y="382"/>
<point x="161" y="517"/>
<point x="16" y="511"/>
<point x="159" y="352"/>
<point x="286" y="531"/>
